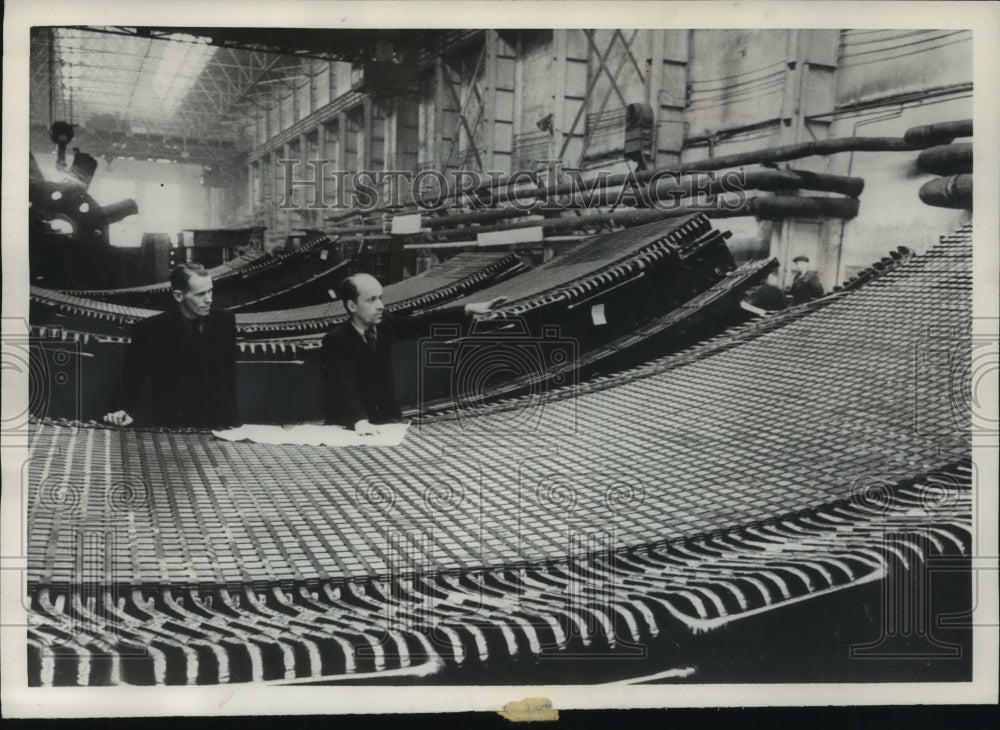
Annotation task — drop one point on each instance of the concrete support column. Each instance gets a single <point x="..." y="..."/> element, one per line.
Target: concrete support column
<point x="268" y="184"/>
<point x="405" y="140"/>
<point x="438" y="148"/>
<point x="559" y="121"/>
<point x="365" y="152"/>
<point x="343" y="163"/>
<point x="489" y="101"/>
<point x="570" y="57"/>
<point x="500" y="93"/>
<point x="667" y="92"/>
<point x="810" y="88"/>
<point x="310" y="87"/>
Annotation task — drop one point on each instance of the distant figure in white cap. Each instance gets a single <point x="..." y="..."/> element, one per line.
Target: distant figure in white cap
<point x="805" y="286"/>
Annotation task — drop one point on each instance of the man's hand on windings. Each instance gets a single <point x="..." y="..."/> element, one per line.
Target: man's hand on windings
<point x="118" y="418"/>
<point x="364" y="428"/>
<point x="479" y="309"/>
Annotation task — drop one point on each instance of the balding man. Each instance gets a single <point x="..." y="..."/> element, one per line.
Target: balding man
<point x="358" y="385"/>
<point x="188" y="354"/>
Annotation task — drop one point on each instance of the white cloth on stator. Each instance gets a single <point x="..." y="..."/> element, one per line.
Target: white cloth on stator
<point x="305" y="434"/>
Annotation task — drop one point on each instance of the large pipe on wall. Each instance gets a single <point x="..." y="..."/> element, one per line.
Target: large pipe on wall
<point x="667" y="187"/>
<point x="477" y="216"/>
<point x="778" y="207"/>
<point x="664" y="190"/>
<point x="941" y="133"/>
<point x="948" y="192"/>
<point x="769" y="180"/>
<point x="783" y="153"/>
<point x="772" y="179"/>
<point x="948" y="159"/>
<point x="772" y="207"/>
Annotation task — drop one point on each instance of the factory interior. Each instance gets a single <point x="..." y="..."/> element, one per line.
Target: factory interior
<point x="713" y="426"/>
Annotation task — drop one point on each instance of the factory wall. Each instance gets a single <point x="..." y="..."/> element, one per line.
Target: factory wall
<point x="878" y="83"/>
<point x="562" y="95"/>
<point x="533" y="97"/>
<point x="891" y="213"/>
<point x="924" y="77"/>
<point x="736" y="79"/>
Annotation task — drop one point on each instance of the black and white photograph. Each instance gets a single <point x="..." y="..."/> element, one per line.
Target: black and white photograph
<point x="521" y="357"/>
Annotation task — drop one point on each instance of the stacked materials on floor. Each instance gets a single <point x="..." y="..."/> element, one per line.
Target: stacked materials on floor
<point x="455" y="278"/>
<point x="79" y="316"/>
<point x="562" y="312"/>
<point x="266" y="274"/>
<point x="278" y="371"/>
<point x="771" y="466"/>
<point x="600" y="291"/>
<point x="686" y="324"/>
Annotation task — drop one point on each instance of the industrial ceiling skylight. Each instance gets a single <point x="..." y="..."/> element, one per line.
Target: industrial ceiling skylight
<point x="181" y="63"/>
<point x="140" y="81"/>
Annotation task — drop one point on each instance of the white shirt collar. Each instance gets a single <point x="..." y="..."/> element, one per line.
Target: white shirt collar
<point x="358" y="328"/>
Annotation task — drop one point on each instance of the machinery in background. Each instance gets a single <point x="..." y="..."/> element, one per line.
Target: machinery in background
<point x="68" y="241"/>
<point x="216" y="246"/>
<point x="155" y="258"/>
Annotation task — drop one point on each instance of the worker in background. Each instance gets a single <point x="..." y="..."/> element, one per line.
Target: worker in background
<point x="188" y="354"/>
<point x="359" y="390"/>
<point x="805" y="286"/>
<point x="768" y="296"/>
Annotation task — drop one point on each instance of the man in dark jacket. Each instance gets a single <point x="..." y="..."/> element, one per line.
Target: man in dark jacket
<point x="805" y="286"/>
<point x="188" y="353"/>
<point x="769" y="296"/>
<point x="359" y="390"/>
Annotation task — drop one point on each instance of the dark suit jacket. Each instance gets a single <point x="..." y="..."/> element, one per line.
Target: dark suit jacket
<point x="359" y="384"/>
<point x="768" y="297"/>
<point x="192" y="379"/>
<point x="806" y="287"/>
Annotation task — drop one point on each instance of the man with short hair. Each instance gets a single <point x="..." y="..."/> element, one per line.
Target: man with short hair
<point x="359" y="390"/>
<point x="188" y="353"/>
<point x="805" y="286"/>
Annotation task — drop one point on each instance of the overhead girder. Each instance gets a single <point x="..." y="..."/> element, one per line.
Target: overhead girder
<point x="119" y="143"/>
<point x="232" y="86"/>
<point x="316" y="43"/>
